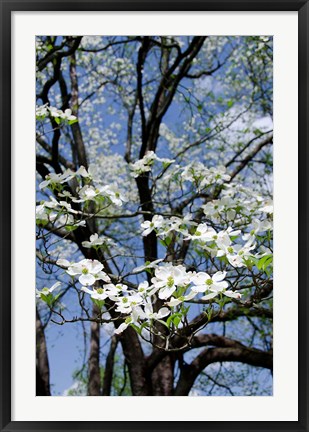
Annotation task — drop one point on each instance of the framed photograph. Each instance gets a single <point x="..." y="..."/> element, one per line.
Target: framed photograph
<point x="154" y="215"/>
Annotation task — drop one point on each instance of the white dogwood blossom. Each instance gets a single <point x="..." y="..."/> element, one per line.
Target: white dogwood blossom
<point x="149" y="314"/>
<point x="168" y="278"/>
<point x="95" y="293"/>
<point x="125" y="304"/>
<point x="203" y="233"/>
<point x="44" y="110"/>
<point x="212" y="286"/>
<point x="94" y="241"/>
<point x="114" y="194"/>
<point x="89" y="270"/>
<point x="203" y="282"/>
<point x="181" y="299"/>
<point x="148" y="226"/>
<point x="54" y="178"/>
<point x="144" y="165"/>
<point x="236" y="253"/>
<point x="46" y="291"/>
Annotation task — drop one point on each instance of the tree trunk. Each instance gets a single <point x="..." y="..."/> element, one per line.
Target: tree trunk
<point x="163" y="377"/>
<point x="132" y="350"/>
<point x="94" y="382"/>
<point x="42" y="365"/>
<point x="109" y="368"/>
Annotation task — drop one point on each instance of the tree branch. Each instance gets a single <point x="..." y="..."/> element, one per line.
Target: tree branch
<point x="76" y="130"/>
<point x="232" y="352"/>
<point x="58" y="55"/>
<point x="250" y="156"/>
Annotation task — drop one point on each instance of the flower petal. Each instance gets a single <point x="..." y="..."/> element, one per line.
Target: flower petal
<point x="63" y="262"/>
<point x="54" y="286"/>
<point x="121" y="328"/>
<point x="163" y="312"/>
<point x="173" y="302"/>
<point x="95" y="267"/>
<point x="209" y="296"/>
<point x="166" y="292"/>
<point x="232" y="294"/>
<point x="87" y="290"/>
<point x="87" y="279"/>
<point x="219" y="276"/>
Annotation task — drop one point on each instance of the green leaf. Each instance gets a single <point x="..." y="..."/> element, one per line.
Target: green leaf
<point x="41" y="117"/>
<point x="208" y="313"/>
<point x="41" y="222"/>
<point x="44" y="297"/>
<point x="70" y="228"/>
<point x="98" y="303"/>
<point x="166" y="164"/>
<point x="70" y="122"/>
<point x="56" y="297"/>
<point x="184" y="309"/>
<point x="48" y="299"/>
<point x="144" y="325"/>
<point x="136" y="328"/>
<point x="175" y="319"/>
<point x="168" y="241"/>
<point x="57" y="120"/>
<point x="223" y="259"/>
<point x="264" y="262"/>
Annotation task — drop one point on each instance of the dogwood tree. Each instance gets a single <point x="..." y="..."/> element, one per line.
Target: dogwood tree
<point x="154" y="210"/>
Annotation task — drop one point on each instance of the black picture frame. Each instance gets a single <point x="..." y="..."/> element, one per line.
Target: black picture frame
<point x="7" y="7"/>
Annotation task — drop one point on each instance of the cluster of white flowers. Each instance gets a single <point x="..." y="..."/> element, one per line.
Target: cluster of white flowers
<point x="215" y="243"/>
<point x="53" y="179"/>
<point x="91" y="193"/>
<point x="144" y="165"/>
<point x="258" y="226"/>
<point x="45" y="110"/>
<point x="174" y="143"/>
<point x="267" y="207"/>
<point x="45" y="292"/>
<point x="203" y="177"/>
<point x="86" y="192"/>
<point x="172" y="284"/>
<point x="163" y="226"/>
<point x="59" y="213"/>
<point x="95" y="241"/>
<point x="193" y="178"/>
<point x="237" y="204"/>
<point x="219" y="244"/>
